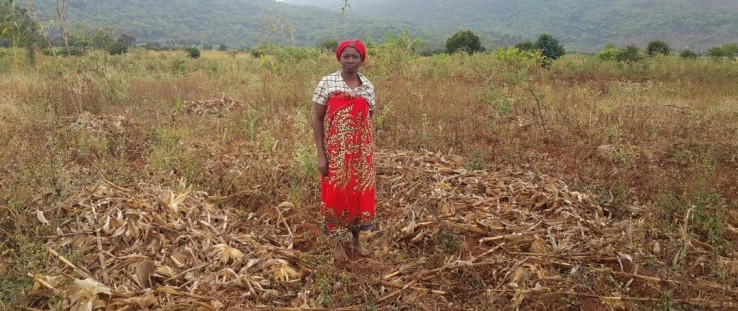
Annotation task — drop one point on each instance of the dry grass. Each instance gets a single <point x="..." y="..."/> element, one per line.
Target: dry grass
<point x="651" y="142"/>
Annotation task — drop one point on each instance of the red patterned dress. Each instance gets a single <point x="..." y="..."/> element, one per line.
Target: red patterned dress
<point x="347" y="192"/>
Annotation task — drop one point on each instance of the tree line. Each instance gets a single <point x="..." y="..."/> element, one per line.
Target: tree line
<point x="20" y="28"/>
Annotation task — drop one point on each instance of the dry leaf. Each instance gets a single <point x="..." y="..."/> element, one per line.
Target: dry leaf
<point x="84" y="295"/>
<point x="144" y="270"/>
<point x="40" y="216"/>
<point x="226" y="254"/>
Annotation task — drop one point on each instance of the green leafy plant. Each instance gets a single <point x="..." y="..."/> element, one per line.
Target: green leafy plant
<point x="464" y="41"/>
<point x="193" y="52"/>
<point x="657" y="48"/>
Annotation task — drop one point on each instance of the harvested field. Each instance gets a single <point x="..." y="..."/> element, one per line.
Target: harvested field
<point x="139" y="182"/>
<point x="447" y="238"/>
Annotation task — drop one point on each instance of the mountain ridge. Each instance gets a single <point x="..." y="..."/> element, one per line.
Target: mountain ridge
<point x="580" y="25"/>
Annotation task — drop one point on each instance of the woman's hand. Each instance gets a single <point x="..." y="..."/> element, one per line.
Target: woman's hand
<point x="323" y="165"/>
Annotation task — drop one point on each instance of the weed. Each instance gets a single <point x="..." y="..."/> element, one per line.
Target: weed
<point x="381" y="116"/>
<point x="448" y="241"/>
<point x="178" y="66"/>
<point x="475" y="161"/>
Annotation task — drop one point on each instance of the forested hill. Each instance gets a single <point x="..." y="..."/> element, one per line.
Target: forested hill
<point x="243" y="23"/>
<point x="582" y="25"/>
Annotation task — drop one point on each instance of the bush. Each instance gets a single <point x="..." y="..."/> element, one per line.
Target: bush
<point x="657" y="47"/>
<point x="193" y="52"/>
<point x="329" y="45"/>
<point x="609" y="52"/>
<point x="726" y="50"/>
<point x="256" y="52"/>
<point x="688" y="54"/>
<point x="464" y="40"/>
<point x="630" y="53"/>
<point x="526" y="46"/>
<point x="549" y="46"/>
<point x="222" y="47"/>
<point x="117" y="48"/>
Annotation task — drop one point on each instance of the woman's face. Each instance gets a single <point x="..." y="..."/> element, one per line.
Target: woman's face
<point x="350" y="60"/>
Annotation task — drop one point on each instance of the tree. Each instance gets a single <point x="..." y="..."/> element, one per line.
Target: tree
<point x="609" y="52"/>
<point x="725" y="50"/>
<point x="61" y="14"/>
<point x="464" y="40"/>
<point x="87" y="38"/>
<point x="630" y="53"/>
<point x="117" y="48"/>
<point x="222" y="47"/>
<point x="193" y="52"/>
<point x="657" y="47"/>
<point x="18" y="27"/>
<point x="549" y="46"/>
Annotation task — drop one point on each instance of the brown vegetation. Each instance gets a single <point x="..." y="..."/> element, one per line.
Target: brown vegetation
<point x="153" y="180"/>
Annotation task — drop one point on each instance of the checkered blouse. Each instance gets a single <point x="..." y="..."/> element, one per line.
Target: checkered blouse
<point x="334" y="82"/>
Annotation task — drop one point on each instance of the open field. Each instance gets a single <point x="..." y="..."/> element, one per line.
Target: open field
<point x="170" y="182"/>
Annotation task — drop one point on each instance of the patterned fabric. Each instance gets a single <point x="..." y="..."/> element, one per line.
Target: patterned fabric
<point x="347" y="192"/>
<point x="354" y="43"/>
<point x="333" y="83"/>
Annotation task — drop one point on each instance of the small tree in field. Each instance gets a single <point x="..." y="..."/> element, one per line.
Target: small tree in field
<point x="549" y="46"/>
<point x="630" y="53"/>
<point x="117" y="48"/>
<point x="657" y="47"/>
<point x="726" y="50"/>
<point x="609" y="52"/>
<point x="18" y="27"/>
<point x="464" y="40"/>
<point x="193" y="52"/>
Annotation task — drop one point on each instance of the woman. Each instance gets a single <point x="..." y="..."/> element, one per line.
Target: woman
<point x="344" y="103"/>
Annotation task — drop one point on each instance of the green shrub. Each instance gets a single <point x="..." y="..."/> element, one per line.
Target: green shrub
<point x="193" y="52"/>
<point x="464" y="40"/>
<point x="726" y="50"/>
<point x="549" y="46"/>
<point x="117" y="48"/>
<point x="609" y="52"/>
<point x="256" y="52"/>
<point x="630" y="53"/>
<point x="657" y="47"/>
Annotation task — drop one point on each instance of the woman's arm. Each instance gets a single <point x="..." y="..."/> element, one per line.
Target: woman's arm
<point x="318" y="134"/>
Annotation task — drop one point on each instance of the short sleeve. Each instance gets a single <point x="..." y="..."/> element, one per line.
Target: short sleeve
<point x="370" y="97"/>
<point x="321" y="94"/>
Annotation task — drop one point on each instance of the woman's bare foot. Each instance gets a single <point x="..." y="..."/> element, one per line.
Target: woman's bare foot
<point x="356" y="245"/>
<point x="339" y="255"/>
<point x="363" y="252"/>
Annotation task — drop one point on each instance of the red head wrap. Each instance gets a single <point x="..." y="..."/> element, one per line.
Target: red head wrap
<point x="354" y="43"/>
